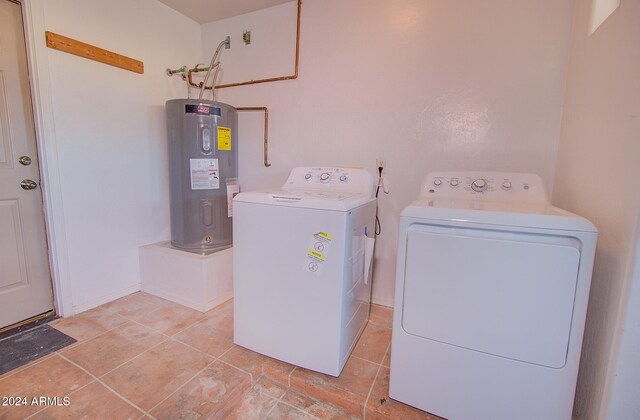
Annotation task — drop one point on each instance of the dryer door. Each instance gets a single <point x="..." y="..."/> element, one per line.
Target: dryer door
<point x="509" y="294"/>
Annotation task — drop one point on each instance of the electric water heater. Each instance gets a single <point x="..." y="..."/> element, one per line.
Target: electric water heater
<point x="203" y="171"/>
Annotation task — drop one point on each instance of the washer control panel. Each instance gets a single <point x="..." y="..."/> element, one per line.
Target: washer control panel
<point x="354" y="180"/>
<point x="497" y="185"/>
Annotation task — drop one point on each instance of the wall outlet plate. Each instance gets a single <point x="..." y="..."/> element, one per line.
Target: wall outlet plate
<point x="379" y="163"/>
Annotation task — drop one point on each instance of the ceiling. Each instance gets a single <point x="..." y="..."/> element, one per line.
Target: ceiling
<point x="203" y="11"/>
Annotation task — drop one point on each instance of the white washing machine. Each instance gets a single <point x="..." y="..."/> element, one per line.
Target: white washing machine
<point x="301" y="264"/>
<point x="491" y="296"/>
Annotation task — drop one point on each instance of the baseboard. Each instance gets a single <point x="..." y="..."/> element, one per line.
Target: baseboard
<point x="382" y="301"/>
<point x="185" y="302"/>
<point x="105" y="299"/>
<point x="218" y="301"/>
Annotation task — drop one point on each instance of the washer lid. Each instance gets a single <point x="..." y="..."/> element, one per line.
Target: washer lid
<point x="502" y="213"/>
<point x="320" y="200"/>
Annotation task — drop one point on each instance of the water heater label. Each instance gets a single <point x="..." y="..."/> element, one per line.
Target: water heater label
<point x="201" y="110"/>
<point x="224" y="138"/>
<point x="205" y="174"/>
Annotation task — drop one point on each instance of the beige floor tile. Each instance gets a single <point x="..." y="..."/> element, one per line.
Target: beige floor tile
<point x="254" y="405"/>
<point x="386" y="362"/>
<point x="153" y="376"/>
<point x="19" y="368"/>
<point x="381" y="315"/>
<point x="94" y="401"/>
<point x="220" y="318"/>
<point x="170" y="320"/>
<point x="159" y="375"/>
<point x="373" y="343"/>
<point x="78" y="327"/>
<point x="380" y="406"/>
<point x="286" y="412"/>
<point x="212" y="394"/>
<point x="89" y="324"/>
<point x="109" y="350"/>
<point x="205" y="338"/>
<point x="272" y="389"/>
<point x="54" y="377"/>
<point x="348" y="391"/>
<point x="258" y="365"/>
<point x="319" y="409"/>
<point x="137" y="304"/>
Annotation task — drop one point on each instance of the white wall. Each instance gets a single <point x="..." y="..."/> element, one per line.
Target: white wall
<point x="273" y="44"/>
<point x="109" y="136"/>
<point x="597" y="176"/>
<point x="425" y="84"/>
<point x="625" y="401"/>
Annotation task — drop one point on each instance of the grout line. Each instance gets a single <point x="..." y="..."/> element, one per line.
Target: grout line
<point x="71" y="346"/>
<point x="190" y="346"/>
<point x="366" y="401"/>
<point x="190" y="325"/>
<point x="80" y="342"/>
<point x="241" y="370"/>
<point x="26" y="366"/>
<point x="271" y="397"/>
<point x="227" y="351"/>
<point x="234" y="366"/>
<point x="297" y="408"/>
<point x="106" y="386"/>
<point x="131" y="359"/>
<point x="184" y="384"/>
<point x="380" y="325"/>
<point x="367" y="360"/>
<point x="69" y="394"/>
<point x="290" y="374"/>
<point x="278" y="400"/>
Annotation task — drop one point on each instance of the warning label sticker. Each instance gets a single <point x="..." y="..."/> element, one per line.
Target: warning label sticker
<point x="317" y="252"/>
<point x="224" y="138"/>
<point x="205" y="174"/>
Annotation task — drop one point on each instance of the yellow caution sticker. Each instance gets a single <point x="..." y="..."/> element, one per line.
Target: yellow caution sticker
<point x="316" y="254"/>
<point x="224" y="138"/>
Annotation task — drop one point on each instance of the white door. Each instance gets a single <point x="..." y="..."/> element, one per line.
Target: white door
<point x="25" y="285"/>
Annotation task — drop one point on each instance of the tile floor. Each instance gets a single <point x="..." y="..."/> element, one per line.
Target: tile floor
<point x="145" y="357"/>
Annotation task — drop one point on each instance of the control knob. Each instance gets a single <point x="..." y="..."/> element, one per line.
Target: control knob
<point x="324" y="177"/>
<point x="437" y="182"/>
<point x="454" y="182"/>
<point x="307" y="177"/>
<point x="479" y="185"/>
<point x="343" y="178"/>
<point x="506" y="185"/>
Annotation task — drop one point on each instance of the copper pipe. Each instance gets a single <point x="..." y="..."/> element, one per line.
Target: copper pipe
<point x="276" y="79"/>
<point x="266" y="129"/>
<point x="182" y="69"/>
<point x="196" y="69"/>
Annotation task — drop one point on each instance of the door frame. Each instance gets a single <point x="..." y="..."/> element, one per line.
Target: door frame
<point x="42" y="104"/>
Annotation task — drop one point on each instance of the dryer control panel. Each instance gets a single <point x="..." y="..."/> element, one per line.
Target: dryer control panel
<point x="503" y="186"/>
<point x="331" y="178"/>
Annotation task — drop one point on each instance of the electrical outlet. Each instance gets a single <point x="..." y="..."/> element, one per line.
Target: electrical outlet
<point x="379" y="163"/>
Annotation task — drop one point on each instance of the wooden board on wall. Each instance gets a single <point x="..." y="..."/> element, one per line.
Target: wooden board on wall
<point x="91" y="52"/>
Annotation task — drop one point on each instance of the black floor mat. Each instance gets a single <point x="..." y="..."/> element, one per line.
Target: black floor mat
<point x="22" y="348"/>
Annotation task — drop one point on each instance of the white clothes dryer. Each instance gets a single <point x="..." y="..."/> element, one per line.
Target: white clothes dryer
<point x="491" y="297"/>
<point x="301" y="266"/>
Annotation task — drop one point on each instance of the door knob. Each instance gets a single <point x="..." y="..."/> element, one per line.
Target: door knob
<point x="25" y="160"/>
<point x="28" y="184"/>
